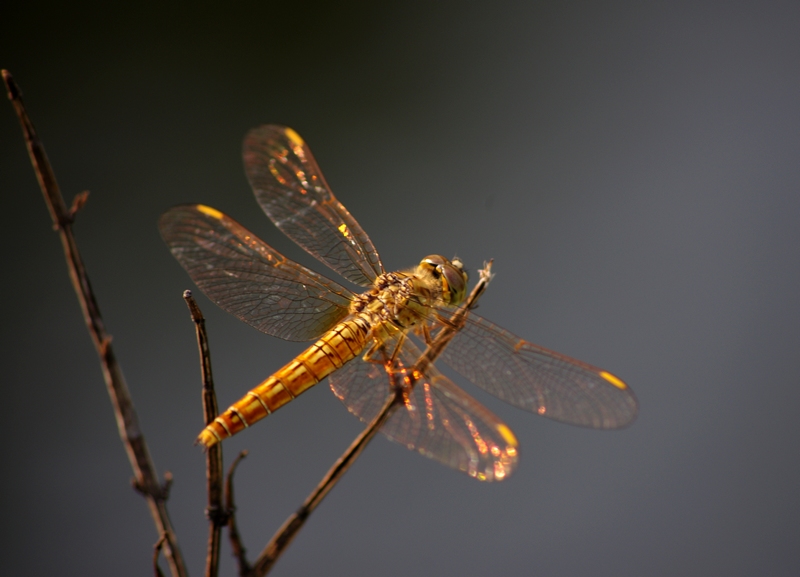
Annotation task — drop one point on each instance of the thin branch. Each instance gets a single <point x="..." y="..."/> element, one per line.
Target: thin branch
<point x="284" y="536"/>
<point x="233" y="532"/>
<point x="146" y="479"/>
<point x="217" y="516"/>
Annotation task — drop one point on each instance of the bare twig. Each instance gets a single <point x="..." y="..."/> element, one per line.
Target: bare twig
<point x="146" y="479"/>
<point x="233" y="532"/>
<point x="281" y="540"/>
<point x="217" y="516"/>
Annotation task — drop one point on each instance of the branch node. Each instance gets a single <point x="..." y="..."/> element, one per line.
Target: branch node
<point x="137" y="486"/>
<point x="155" y="492"/>
<point x="14" y="93"/>
<point x="156" y="551"/>
<point x="105" y="344"/>
<point x="217" y="515"/>
<point x="166" y="486"/>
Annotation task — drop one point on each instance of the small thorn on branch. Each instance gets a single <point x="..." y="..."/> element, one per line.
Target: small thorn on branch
<point x="156" y="492"/>
<point x="156" y="552"/>
<point x="166" y="485"/>
<point x="78" y="203"/>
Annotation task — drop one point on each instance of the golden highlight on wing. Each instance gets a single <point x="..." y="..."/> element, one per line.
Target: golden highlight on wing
<point x="290" y="188"/>
<point x="250" y="279"/>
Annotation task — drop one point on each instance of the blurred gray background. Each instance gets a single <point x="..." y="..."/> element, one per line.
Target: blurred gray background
<point x="631" y="167"/>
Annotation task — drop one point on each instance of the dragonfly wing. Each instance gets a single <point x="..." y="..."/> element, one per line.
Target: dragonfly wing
<point x="290" y="188"/>
<point x="537" y="379"/>
<point x="248" y="278"/>
<point x="437" y="419"/>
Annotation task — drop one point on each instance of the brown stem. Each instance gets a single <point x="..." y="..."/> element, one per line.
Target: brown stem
<point x="233" y="532"/>
<point x="217" y="516"/>
<point x="284" y="536"/>
<point x="146" y="479"/>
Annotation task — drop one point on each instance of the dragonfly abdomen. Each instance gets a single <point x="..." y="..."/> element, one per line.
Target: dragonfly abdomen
<point x="342" y="343"/>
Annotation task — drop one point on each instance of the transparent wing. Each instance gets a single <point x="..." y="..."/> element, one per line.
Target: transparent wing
<point x="292" y="191"/>
<point x="437" y="419"/>
<point x="248" y="278"/>
<point x="537" y="379"/>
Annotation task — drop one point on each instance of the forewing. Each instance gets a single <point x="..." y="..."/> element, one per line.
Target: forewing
<point x="436" y="419"/>
<point x="248" y="278"/>
<point x="292" y="191"/>
<point x="539" y="380"/>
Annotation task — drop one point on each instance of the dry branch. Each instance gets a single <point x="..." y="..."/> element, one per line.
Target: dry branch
<point x="217" y="516"/>
<point x="146" y="479"/>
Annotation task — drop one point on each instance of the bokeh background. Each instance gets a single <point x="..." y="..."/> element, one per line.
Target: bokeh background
<point x="631" y="167"/>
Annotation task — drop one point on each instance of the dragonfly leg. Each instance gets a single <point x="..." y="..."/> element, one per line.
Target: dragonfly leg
<point x="398" y="345"/>
<point x="426" y="334"/>
<point x="444" y="321"/>
<point x="377" y="353"/>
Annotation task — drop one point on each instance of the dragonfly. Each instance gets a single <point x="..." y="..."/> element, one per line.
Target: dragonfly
<point x="367" y="343"/>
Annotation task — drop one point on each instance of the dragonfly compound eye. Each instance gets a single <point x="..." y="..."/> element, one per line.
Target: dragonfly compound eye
<point x="451" y="275"/>
<point x="454" y="282"/>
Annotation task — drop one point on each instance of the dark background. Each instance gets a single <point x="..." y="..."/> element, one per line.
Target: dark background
<point x="631" y="167"/>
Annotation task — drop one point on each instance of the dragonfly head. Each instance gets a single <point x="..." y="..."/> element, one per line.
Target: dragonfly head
<point x="449" y="274"/>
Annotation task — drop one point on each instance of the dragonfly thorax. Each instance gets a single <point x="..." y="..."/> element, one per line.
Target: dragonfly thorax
<point x="404" y="299"/>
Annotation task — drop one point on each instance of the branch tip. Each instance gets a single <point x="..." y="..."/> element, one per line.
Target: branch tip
<point x="194" y="308"/>
<point x="14" y="93"/>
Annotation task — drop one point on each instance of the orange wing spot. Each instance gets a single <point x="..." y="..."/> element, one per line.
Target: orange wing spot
<point x="343" y="229"/>
<point x="508" y="436"/>
<point x="519" y="345"/>
<point x="212" y="212"/>
<point x="294" y="137"/>
<point x="613" y="380"/>
<point x="541" y="410"/>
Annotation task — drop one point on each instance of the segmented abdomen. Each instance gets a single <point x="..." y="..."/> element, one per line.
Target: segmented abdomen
<point x="342" y="343"/>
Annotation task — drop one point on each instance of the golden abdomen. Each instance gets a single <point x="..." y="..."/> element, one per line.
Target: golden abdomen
<point x="342" y="343"/>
